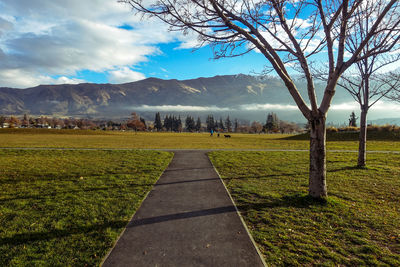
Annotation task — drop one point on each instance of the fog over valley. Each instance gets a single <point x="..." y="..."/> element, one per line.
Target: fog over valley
<point x="246" y="97"/>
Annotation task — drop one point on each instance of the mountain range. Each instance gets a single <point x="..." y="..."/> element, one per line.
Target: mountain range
<point x="221" y="94"/>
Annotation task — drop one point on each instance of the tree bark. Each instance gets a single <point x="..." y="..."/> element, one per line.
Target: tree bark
<point x="317" y="179"/>
<point x="362" y="147"/>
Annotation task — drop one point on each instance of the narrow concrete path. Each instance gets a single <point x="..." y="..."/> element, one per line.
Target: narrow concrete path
<point x="188" y="219"/>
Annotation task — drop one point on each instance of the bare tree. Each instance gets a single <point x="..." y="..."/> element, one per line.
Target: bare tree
<point x="286" y="33"/>
<point x="363" y="80"/>
<point x="392" y="80"/>
<point x="367" y="87"/>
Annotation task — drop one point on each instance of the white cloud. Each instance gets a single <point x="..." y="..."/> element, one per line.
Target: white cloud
<point x="170" y="108"/>
<point x="250" y="107"/>
<point x="379" y="106"/>
<point x="22" y="79"/>
<point x="45" y="38"/>
<point x="124" y="75"/>
<point x="345" y="106"/>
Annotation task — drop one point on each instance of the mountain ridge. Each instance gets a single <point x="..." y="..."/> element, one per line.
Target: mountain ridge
<point x="111" y="100"/>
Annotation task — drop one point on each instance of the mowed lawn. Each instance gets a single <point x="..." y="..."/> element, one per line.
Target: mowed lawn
<point x="66" y="208"/>
<point x="359" y="225"/>
<point x="148" y="140"/>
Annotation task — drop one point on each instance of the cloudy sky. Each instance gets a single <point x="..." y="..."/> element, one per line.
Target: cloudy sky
<point x="102" y="41"/>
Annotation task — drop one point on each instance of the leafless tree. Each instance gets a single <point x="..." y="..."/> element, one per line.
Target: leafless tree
<point x="287" y="33"/>
<point x="367" y="87"/>
<point x="392" y="80"/>
<point x="364" y="80"/>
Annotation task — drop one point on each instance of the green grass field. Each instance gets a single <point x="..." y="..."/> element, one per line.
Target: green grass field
<point x="108" y="139"/>
<point x="66" y="208"/>
<point x="359" y="225"/>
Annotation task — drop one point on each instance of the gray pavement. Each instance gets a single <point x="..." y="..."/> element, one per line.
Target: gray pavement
<point x="188" y="219"/>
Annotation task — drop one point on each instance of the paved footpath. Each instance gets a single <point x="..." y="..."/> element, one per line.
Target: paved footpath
<point x="188" y="219"/>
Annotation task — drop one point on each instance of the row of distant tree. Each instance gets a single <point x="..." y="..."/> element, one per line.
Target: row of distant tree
<point x="272" y="125"/>
<point x="169" y="123"/>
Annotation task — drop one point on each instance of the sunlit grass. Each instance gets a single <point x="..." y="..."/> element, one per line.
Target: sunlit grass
<point x="359" y="225"/>
<point x="66" y="208"/>
<point x="147" y="140"/>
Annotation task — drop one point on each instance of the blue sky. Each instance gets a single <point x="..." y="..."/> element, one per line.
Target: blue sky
<point x="101" y="41"/>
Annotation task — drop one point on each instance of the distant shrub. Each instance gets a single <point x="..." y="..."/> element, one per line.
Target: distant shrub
<point x="349" y="129"/>
<point x="388" y="128"/>
<point x="384" y="128"/>
<point x="332" y="129"/>
<point x="373" y="128"/>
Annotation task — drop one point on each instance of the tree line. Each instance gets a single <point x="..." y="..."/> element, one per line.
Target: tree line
<point x="272" y="125"/>
<point x="170" y="123"/>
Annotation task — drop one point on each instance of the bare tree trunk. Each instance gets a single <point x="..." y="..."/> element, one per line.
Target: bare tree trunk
<point x="317" y="179"/>
<point x="362" y="147"/>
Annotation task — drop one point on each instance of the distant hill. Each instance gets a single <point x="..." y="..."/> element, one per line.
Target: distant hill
<point x="383" y="121"/>
<point x="113" y="100"/>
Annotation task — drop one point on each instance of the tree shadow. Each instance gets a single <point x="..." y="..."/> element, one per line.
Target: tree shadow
<point x="349" y="168"/>
<point x="179" y="216"/>
<point x="186" y="181"/>
<point x="44" y="196"/>
<point x="185" y="169"/>
<point x="23" y="238"/>
<point x="295" y="201"/>
<point x="272" y="176"/>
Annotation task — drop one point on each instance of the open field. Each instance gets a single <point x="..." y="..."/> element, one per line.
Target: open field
<point x="359" y="225"/>
<point x="69" y="206"/>
<point x="66" y="208"/>
<point x="101" y="139"/>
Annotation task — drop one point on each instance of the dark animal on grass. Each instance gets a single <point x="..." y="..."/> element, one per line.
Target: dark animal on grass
<point x="227" y="135"/>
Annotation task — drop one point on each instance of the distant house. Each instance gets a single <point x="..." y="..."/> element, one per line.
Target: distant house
<point x="5" y="125"/>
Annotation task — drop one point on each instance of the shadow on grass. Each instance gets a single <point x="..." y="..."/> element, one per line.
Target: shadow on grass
<point x="272" y="176"/>
<point x="54" y="194"/>
<point x="23" y="238"/>
<point x="349" y="168"/>
<point x="295" y="200"/>
<point x="70" y="177"/>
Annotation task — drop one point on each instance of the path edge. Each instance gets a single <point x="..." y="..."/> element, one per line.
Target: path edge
<point x="238" y="213"/>
<point x="147" y="194"/>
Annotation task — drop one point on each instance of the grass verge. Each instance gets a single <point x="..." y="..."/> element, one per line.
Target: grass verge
<point x="359" y="225"/>
<point x="61" y="208"/>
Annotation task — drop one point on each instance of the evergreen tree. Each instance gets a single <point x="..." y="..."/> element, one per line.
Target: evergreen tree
<point x="236" y="125"/>
<point x="157" y="122"/>
<point x="174" y="124"/>
<point x="228" y="124"/>
<point x="221" y="125"/>
<point x="179" y="124"/>
<point x="167" y="123"/>
<point x="210" y="123"/>
<point x="190" y="124"/>
<point x="272" y="124"/>
<point x="142" y="120"/>
<point x="353" y="120"/>
<point x="2" y="120"/>
<point x="198" y="124"/>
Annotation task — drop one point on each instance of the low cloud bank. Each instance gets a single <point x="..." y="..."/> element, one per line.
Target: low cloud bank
<point x="348" y="106"/>
<point x="170" y="108"/>
<point x="251" y="107"/>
